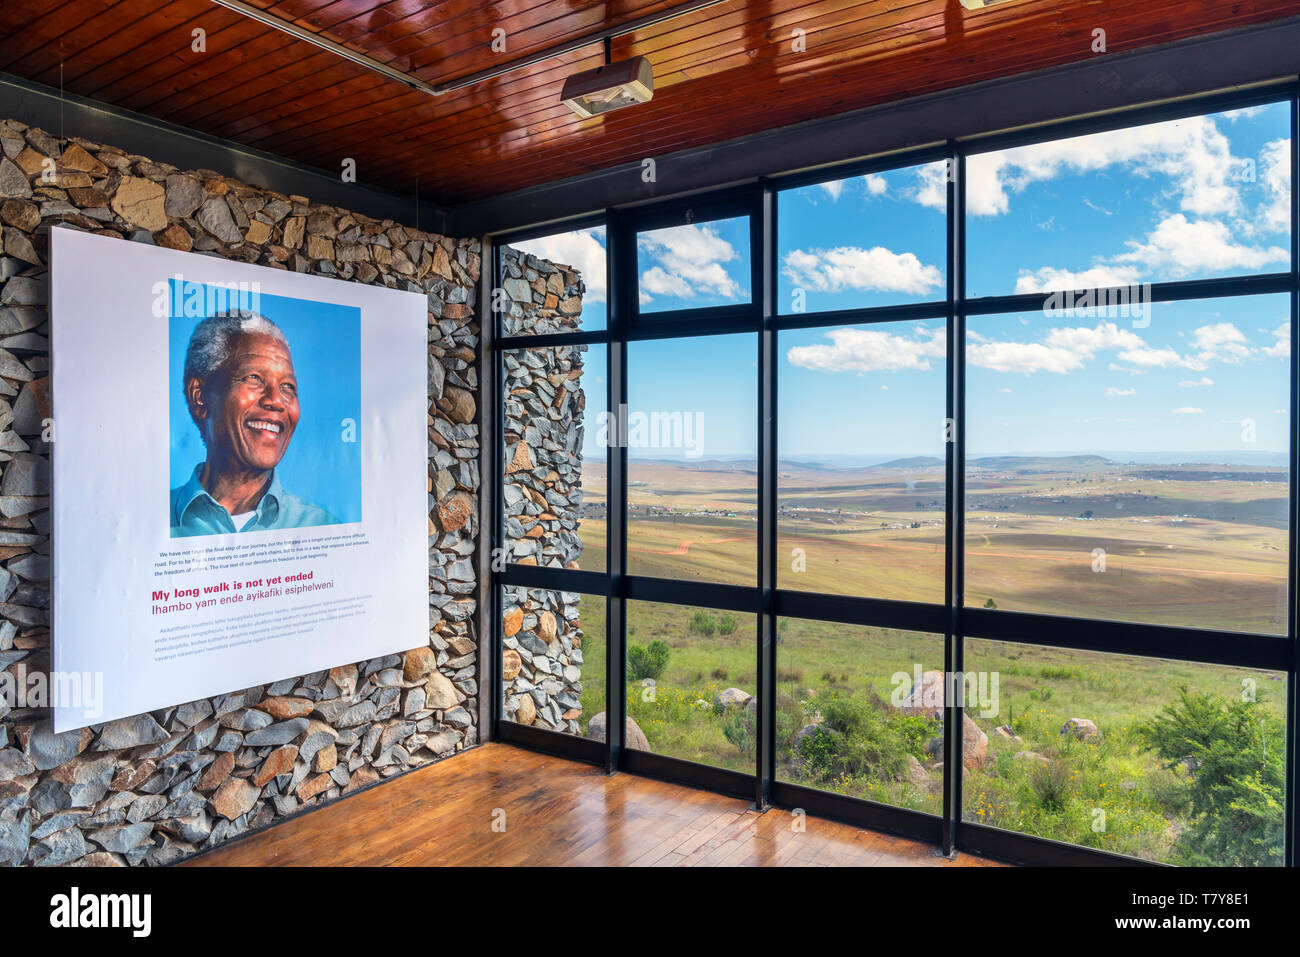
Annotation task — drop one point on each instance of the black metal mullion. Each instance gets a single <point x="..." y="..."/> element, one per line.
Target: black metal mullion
<point x="620" y="249"/>
<point x="1293" y="612"/>
<point x="512" y="343"/>
<point x="554" y="579"/>
<point x="1180" y="291"/>
<point x="694" y="594"/>
<point x="954" y="503"/>
<point x="852" y="610"/>
<point x="937" y="309"/>
<point x="765" y="737"/>
<point x="1226" y="648"/>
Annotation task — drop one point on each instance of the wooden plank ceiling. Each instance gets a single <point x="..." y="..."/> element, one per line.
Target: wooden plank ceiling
<point x="721" y="72"/>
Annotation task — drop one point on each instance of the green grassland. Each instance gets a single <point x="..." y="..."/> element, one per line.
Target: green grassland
<point x="1200" y="552"/>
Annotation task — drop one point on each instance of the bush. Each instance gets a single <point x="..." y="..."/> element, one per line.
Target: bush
<point x="739" y="730"/>
<point x="1237" y="791"/>
<point x="702" y="624"/>
<point x="861" y="737"/>
<point x="726" y="624"/>
<point x="1051" y="784"/>
<point x="647" y="661"/>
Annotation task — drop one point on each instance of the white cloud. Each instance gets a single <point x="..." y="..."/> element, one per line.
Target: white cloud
<point x="1105" y="336"/>
<point x="870" y="350"/>
<point x="1188" y="410"/>
<point x="1098" y="277"/>
<point x="1202" y="382"/>
<point x="876" y="184"/>
<point x="1022" y="357"/>
<point x="1281" y="347"/>
<point x="1221" y="341"/>
<point x="850" y="267"/>
<point x="580" y="249"/>
<point x="1275" y="175"/>
<point x="655" y="280"/>
<point x="1181" y="247"/>
<point x="1063" y="349"/>
<point x="1067" y="348"/>
<point x="1114" y="391"/>
<point x="1195" y="156"/>
<point x="932" y="186"/>
<point x="833" y="189"/>
<point x="690" y="261"/>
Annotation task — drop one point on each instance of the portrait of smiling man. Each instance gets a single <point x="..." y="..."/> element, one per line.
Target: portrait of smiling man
<point x="242" y="394"/>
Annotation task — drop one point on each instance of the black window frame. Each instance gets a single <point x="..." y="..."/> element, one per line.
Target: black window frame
<point x="951" y="619"/>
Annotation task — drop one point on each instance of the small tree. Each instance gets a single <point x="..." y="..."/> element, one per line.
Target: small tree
<point x="702" y="623"/>
<point x="647" y="661"/>
<point x="1238" y="788"/>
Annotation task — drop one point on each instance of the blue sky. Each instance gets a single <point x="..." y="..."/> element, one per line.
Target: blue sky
<point x="1186" y="199"/>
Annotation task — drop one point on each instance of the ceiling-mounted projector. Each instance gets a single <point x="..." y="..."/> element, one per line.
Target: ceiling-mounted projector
<point x="609" y="87"/>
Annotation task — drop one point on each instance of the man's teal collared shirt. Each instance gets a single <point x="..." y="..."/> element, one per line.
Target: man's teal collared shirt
<point x="195" y="512"/>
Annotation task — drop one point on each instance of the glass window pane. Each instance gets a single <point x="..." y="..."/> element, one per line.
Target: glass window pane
<point x="861" y="502"/>
<point x="852" y="714"/>
<point x="874" y="240"/>
<point x="1169" y="761"/>
<point x="692" y="459"/>
<point x="555" y="470"/>
<point x="553" y="659"/>
<point x="1135" y="469"/>
<point x="554" y="284"/>
<point x="690" y="683"/>
<point x="1182" y="199"/>
<point x="693" y="265"/>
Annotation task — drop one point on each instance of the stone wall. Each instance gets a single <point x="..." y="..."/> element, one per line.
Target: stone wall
<point x="157" y="787"/>
<point x="543" y="429"/>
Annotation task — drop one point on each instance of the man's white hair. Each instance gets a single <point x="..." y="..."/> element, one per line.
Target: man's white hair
<point x="214" y="338"/>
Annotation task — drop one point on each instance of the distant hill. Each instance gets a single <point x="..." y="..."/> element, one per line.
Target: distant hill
<point x="1003" y="462"/>
<point x="914" y="462"/>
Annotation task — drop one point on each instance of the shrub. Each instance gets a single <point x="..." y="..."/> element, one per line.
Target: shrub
<point x="726" y="624"/>
<point x="1237" y="791"/>
<point x="860" y="737"/>
<point x="719" y="674"/>
<point x="647" y="661"/>
<point x="739" y="730"/>
<point x="702" y="623"/>
<point x="1051" y="784"/>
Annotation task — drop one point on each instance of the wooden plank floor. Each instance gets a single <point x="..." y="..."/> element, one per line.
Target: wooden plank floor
<point x="557" y="812"/>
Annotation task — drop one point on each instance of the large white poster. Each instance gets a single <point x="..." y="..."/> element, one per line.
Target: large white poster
<point x="239" y="488"/>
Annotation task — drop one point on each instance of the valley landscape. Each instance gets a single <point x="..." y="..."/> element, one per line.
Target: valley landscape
<point x="1198" y="544"/>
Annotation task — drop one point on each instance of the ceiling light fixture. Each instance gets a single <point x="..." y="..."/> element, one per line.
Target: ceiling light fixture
<point x="609" y="87"/>
<point x="981" y="4"/>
